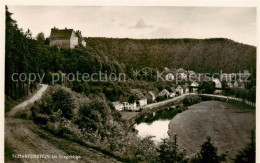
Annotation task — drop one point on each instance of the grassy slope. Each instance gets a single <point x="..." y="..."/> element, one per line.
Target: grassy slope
<point x="228" y="125"/>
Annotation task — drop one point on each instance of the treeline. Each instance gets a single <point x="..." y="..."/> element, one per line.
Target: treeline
<point x="200" y="55"/>
<point x="19" y="49"/>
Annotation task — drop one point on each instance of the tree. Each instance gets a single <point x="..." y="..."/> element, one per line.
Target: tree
<point x="170" y="152"/>
<point x="62" y="100"/>
<point x="207" y="87"/>
<point x="40" y="37"/>
<point x="132" y="99"/>
<point x="252" y="94"/>
<point x="224" y="85"/>
<point x="187" y="101"/>
<point x="247" y="155"/>
<point x="208" y="153"/>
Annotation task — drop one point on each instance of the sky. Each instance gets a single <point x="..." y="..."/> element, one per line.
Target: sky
<point x="236" y="23"/>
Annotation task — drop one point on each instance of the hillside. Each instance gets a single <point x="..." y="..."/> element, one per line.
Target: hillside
<point x="201" y="55"/>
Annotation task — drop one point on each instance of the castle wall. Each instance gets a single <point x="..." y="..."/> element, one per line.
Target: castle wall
<point x="60" y="43"/>
<point x="73" y="40"/>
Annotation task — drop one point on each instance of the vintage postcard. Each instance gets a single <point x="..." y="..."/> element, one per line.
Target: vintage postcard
<point x="129" y="83"/>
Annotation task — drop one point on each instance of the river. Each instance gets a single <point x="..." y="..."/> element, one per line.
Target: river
<point x="158" y="129"/>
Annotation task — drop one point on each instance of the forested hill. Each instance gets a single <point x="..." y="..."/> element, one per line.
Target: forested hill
<point x="201" y="55"/>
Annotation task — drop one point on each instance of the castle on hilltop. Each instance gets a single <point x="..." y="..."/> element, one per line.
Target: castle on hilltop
<point x="66" y="38"/>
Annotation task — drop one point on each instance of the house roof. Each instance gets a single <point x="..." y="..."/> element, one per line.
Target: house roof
<point x="152" y="93"/>
<point x="135" y="91"/>
<point x="164" y="91"/>
<point x="116" y="103"/>
<point x="60" y="34"/>
<point x="181" y="70"/>
<point x="216" y="81"/>
<point x="173" y="90"/>
<point x="194" y="84"/>
<point x="140" y="96"/>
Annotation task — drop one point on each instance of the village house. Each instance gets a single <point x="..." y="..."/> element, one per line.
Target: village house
<point x="142" y="100"/>
<point x="179" y="90"/>
<point x="194" y="87"/>
<point x="243" y="76"/>
<point x="65" y="38"/>
<point x="164" y="93"/>
<point x="118" y="105"/>
<point x="151" y="96"/>
<point x="239" y="84"/>
<point x="130" y="106"/>
<point x="230" y="84"/>
<point x="172" y="92"/>
<point x="181" y="70"/>
<point x="218" y="85"/>
<point x="236" y="83"/>
<point x="185" y="89"/>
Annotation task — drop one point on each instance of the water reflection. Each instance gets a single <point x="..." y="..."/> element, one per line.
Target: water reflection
<point x="158" y="129"/>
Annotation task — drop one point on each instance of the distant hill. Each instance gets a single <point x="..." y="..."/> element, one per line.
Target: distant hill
<point x="200" y="55"/>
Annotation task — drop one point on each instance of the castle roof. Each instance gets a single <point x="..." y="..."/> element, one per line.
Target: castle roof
<point x="60" y="34"/>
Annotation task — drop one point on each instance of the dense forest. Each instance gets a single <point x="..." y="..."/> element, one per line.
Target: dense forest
<point x="25" y="54"/>
<point x="199" y="55"/>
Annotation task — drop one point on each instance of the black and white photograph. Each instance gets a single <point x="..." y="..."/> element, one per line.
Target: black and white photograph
<point x="155" y="84"/>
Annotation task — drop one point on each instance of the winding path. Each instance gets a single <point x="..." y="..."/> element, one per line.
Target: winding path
<point x="25" y="137"/>
<point x="22" y="106"/>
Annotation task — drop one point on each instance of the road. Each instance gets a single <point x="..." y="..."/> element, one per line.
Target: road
<point x="25" y="137"/>
<point x="229" y="126"/>
<point x="162" y="103"/>
<point x="230" y="98"/>
<point x="22" y="106"/>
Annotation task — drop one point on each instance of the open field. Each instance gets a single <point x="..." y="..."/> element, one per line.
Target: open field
<point x="228" y="125"/>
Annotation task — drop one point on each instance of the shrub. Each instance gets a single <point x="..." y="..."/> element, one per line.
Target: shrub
<point x="53" y="106"/>
<point x="247" y="155"/>
<point x="208" y="153"/>
<point x="62" y="100"/>
<point x="170" y="152"/>
<point x="191" y="100"/>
